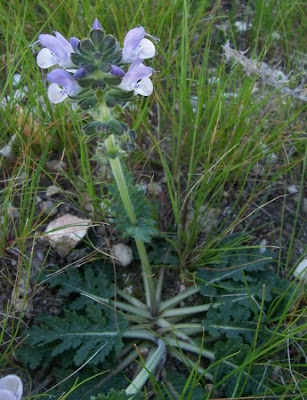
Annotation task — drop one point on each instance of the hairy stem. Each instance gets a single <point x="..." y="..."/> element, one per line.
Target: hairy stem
<point x="125" y="197"/>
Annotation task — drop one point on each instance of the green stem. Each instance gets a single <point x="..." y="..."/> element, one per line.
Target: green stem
<point x="160" y="285"/>
<point x="125" y="197"/>
<point x="189" y="347"/>
<point x="125" y="362"/>
<point x="149" y="367"/>
<point x="131" y="299"/>
<point x="188" y="311"/>
<point x="185" y="311"/>
<point x="121" y="306"/>
<point x="173" y="301"/>
<point x="167" y="327"/>
<point x="185" y="328"/>
<point x="140" y="334"/>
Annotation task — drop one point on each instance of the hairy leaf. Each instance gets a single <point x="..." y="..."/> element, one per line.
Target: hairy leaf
<point x="243" y="380"/>
<point x="79" y="338"/>
<point x="89" y="280"/>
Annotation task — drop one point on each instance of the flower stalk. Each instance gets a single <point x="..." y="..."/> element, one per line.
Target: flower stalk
<point x="120" y="180"/>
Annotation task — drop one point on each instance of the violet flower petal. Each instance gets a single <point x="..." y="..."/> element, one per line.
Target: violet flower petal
<point x="145" y="49"/>
<point x="80" y="73"/>
<point x="67" y="47"/>
<point x="137" y="79"/>
<point x="13" y="385"/>
<point x="64" y="78"/>
<point x="96" y="25"/>
<point x="45" y="58"/>
<point x="74" y="42"/>
<point x="116" y="71"/>
<point x="133" y="38"/>
<point x="52" y="43"/>
<point x="136" y="47"/>
<point x="144" y="87"/>
<point x="56" y="94"/>
<point x="136" y="72"/>
<point x="6" y="395"/>
<point x="59" y="47"/>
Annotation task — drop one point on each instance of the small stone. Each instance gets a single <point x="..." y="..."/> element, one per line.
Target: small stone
<point x="16" y="79"/>
<point x="271" y="158"/>
<point x="12" y="212"/>
<point x="301" y="270"/>
<point x="182" y="288"/>
<point x="48" y="207"/>
<point x="6" y="150"/>
<point x="56" y="165"/>
<point x="64" y="233"/>
<point x="38" y="199"/>
<point x="21" y="295"/>
<point x="242" y="26"/>
<point x="154" y="188"/>
<point x="122" y="254"/>
<point x="292" y="189"/>
<point x="226" y="211"/>
<point x="128" y="290"/>
<point x="52" y="190"/>
<point x="86" y="202"/>
<point x="305" y="205"/>
<point x="276" y="35"/>
<point x="262" y="247"/>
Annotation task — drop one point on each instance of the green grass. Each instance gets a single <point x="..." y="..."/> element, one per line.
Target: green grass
<point x="209" y="146"/>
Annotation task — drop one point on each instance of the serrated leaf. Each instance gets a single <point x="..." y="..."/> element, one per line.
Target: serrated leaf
<point x="242" y="381"/>
<point x="236" y="267"/>
<point x="145" y="226"/>
<point x="86" y="280"/>
<point x="232" y="320"/>
<point x="82" y="335"/>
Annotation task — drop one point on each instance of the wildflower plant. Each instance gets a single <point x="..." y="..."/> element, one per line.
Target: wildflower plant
<point x="100" y="77"/>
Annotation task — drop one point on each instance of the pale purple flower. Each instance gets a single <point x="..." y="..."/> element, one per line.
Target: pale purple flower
<point x="10" y="388"/>
<point x="96" y="25"/>
<point x="137" y="79"/>
<point x="116" y="71"/>
<point x="137" y="47"/>
<point x="62" y="86"/>
<point x="56" y="51"/>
